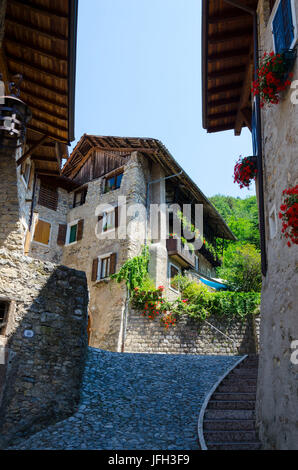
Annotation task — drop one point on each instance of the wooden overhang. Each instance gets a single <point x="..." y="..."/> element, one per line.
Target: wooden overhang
<point x="40" y="43"/>
<point x="227" y="65"/>
<point x="157" y="152"/>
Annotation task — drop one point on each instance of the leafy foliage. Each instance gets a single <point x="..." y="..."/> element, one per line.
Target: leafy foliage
<point x="135" y="271"/>
<point x="242" y="268"/>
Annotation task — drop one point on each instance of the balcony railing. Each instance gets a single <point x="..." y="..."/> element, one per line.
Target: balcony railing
<point x="181" y="252"/>
<point x="213" y="259"/>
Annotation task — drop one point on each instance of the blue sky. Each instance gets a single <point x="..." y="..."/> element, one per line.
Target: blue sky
<point x="139" y="75"/>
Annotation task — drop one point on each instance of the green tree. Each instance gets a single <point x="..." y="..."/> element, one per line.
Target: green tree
<point x="241" y="268"/>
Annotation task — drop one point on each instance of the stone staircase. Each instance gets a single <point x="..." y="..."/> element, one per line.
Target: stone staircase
<point x="229" y="418"/>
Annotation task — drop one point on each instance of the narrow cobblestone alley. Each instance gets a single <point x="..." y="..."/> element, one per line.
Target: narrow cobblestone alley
<point x="136" y="401"/>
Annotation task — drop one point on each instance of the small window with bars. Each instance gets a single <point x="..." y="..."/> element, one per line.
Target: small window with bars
<point x="4" y="307"/>
<point x="48" y="197"/>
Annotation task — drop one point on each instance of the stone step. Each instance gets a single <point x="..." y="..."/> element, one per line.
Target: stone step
<point x="229" y="425"/>
<point x="231" y="405"/>
<point x="230" y="380"/>
<point x="234" y="396"/>
<point x="234" y="446"/>
<point x="236" y="387"/>
<point x="229" y="414"/>
<point x="253" y="372"/>
<point x="230" y="436"/>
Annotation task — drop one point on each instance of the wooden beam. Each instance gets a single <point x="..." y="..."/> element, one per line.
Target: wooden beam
<point x="41" y="158"/>
<point x="44" y="109"/>
<point x="48" y="113"/>
<point x="247" y="116"/>
<point x="47" y="172"/>
<point x="35" y="68"/>
<point x="224" y="101"/>
<point x="226" y="72"/>
<point x="227" y="16"/>
<point x="28" y="82"/>
<point x="231" y="54"/>
<point x="31" y="28"/>
<point x="216" y="116"/>
<point x="47" y="122"/>
<point x="40" y="10"/>
<point x="4" y="69"/>
<point x="55" y="137"/>
<point x="31" y="150"/>
<point x="225" y="127"/>
<point x="28" y="47"/>
<point x="245" y="94"/>
<point x="230" y="35"/>
<point x="223" y="88"/>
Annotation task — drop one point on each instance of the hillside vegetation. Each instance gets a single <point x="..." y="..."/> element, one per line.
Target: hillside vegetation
<point x="241" y="266"/>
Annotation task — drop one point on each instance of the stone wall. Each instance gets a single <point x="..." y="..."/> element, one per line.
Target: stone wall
<point x="277" y="410"/>
<point x="12" y="231"/>
<point x="46" y="339"/>
<point x="191" y="337"/>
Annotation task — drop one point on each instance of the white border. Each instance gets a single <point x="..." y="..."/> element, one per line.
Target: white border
<point x="100" y="257"/>
<point x="273" y="13"/>
<point x="69" y="225"/>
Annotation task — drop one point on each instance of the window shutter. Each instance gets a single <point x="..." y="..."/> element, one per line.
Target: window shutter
<point x="288" y="23"/>
<point x="83" y="196"/>
<point x="48" y="197"/>
<point x="80" y="229"/>
<point x="31" y="177"/>
<point x="61" y="234"/>
<point x="113" y="259"/>
<point x="94" y="269"/>
<point x="278" y="30"/>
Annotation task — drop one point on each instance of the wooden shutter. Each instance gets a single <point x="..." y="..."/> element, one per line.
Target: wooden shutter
<point x="278" y="30"/>
<point x="31" y="177"/>
<point x="48" y="197"/>
<point x="61" y="234"/>
<point x="42" y="232"/>
<point x="113" y="260"/>
<point x="80" y="229"/>
<point x="83" y="196"/>
<point x="94" y="269"/>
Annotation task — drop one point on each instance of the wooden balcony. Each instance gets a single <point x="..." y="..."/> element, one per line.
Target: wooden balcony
<point x="181" y="253"/>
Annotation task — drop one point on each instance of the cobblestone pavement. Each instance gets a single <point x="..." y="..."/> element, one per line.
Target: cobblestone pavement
<point x="136" y="401"/>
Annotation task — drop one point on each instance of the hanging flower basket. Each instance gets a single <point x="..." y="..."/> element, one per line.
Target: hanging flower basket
<point x="289" y="215"/>
<point x="245" y="171"/>
<point x="274" y="75"/>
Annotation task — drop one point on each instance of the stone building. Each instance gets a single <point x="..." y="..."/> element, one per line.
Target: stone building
<point x="99" y="213"/>
<point x="229" y="104"/>
<point x="43" y="305"/>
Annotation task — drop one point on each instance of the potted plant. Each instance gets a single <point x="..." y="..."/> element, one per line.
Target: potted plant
<point x="289" y="215"/>
<point x="273" y="73"/>
<point x="245" y="171"/>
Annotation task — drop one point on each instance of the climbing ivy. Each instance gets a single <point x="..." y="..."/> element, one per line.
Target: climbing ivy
<point x="134" y="271"/>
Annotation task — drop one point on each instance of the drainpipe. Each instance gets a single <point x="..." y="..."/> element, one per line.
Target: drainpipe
<point x="32" y="202"/>
<point x="252" y="12"/>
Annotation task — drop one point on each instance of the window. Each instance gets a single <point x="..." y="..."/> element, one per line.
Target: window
<point x="74" y="232"/>
<point x="103" y="266"/>
<point x="25" y="171"/>
<point x="79" y="197"/>
<point x="42" y="232"/>
<point x="284" y="26"/>
<point x="173" y="272"/>
<point x="48" y="197"/>
<point x="108" y="222"/>
<point x="113" y="183"/>
<point x="4" y="307"/>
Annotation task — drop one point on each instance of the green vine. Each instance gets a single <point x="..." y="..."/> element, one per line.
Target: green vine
<point x="134" y="271"/>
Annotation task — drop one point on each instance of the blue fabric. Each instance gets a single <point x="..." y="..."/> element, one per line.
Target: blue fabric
<point x="214" y="284"/>
<point x="288" y="22"/>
